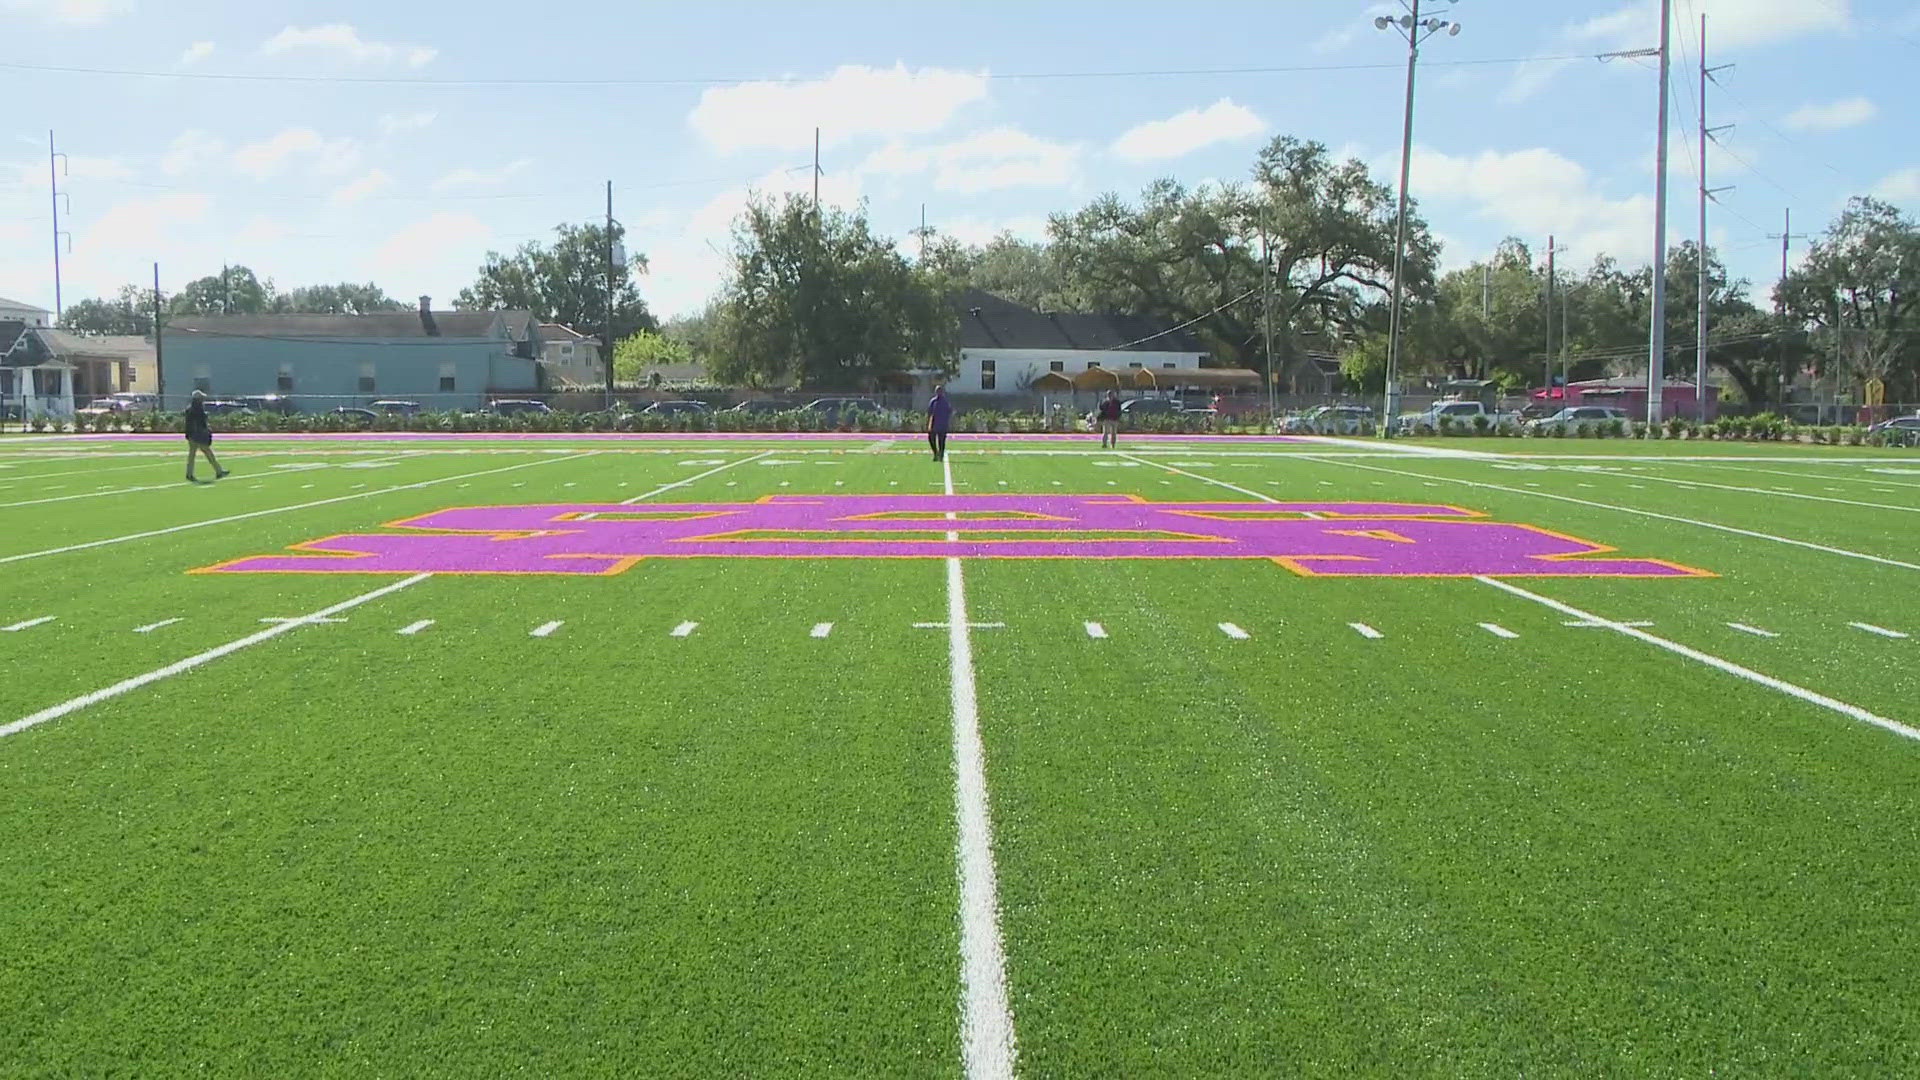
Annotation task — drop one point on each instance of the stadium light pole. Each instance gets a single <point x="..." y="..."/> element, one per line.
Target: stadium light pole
<point x="1416" y="30"/>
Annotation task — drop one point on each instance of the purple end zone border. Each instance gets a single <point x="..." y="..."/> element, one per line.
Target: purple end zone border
<point x="959" y="437"/>
<point x="1339" y="539"/>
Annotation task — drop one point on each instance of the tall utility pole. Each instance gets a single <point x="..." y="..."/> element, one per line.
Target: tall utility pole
<point x="1415" y="30"/>
<point x="1786" y="237"/>
<point x="1706" y="194"/>
<point x="1266" y="310"/>
<point x="1657" y="320"/>
<point x="159" y="356"/>
<point x="1552" y="276"/>
<point x="55" y="162"/>
<point x="816" y="172"/>
<point x="612" y="263"/>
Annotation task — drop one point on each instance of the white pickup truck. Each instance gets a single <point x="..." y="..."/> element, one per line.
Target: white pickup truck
<point x="1458" y="414"/>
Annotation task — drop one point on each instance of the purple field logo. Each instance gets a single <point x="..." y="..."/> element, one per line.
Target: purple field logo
<point x="1321" y="539"/>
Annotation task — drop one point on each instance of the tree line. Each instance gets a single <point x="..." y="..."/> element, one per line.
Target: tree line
<point x="1297" y="258"/>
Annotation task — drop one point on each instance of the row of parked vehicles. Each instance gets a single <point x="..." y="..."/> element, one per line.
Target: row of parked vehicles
<point x="831" y="408"/>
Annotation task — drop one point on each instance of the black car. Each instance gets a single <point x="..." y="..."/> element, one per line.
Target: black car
<point x="270" y="403"/>
<point x="395" y="408"/>
<point x="761" y="408"/>
<point x="362" y="417"/>
<point x="676" y="408"/>
<point x="223" y="407"/>
<point x="843" y="408"/>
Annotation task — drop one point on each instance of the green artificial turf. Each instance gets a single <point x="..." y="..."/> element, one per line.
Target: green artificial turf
<point x="610" y="850"/>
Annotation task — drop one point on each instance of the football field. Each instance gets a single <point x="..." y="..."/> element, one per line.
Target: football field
<point x="778" y="755"/>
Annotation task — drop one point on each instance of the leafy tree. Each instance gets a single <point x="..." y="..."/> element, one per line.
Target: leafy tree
<point x="647" y="349"/>
<point x="129" y="312"/>
<point x="345" y="298"/>
<point x="814" y="298"/>
<point x="1856" y="290"/>
<point x="1020" y="270"/>
<point x="234" y="291"/>
<point x="565" y="282"/>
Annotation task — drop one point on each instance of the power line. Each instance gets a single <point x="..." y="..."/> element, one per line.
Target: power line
<point x="213" y="76"/>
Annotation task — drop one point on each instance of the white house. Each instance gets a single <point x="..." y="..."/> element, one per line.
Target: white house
<point x="571" y="359"/>
<point x="33" y="381"/>
<point x="1006" y="348"/>
<point x="15" y="311"/>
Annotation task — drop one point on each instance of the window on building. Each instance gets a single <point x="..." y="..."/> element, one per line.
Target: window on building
<point x="446" y="384"/>
<point x="1092" y="364"/>
<point x="1057" y="365"/>
<point x="1169" y="367"/>
<point x="46" y="383"/>
<point x="366" y="378"/>
<point x="566" y="350"/>
<point x="986" y="374"/>
<point x="284" y="383"/>
<point x="6" y="383"/>
<point x="1136" y="365"/>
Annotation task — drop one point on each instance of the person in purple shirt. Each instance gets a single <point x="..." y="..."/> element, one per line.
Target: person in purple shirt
<point x="939" y="421"/>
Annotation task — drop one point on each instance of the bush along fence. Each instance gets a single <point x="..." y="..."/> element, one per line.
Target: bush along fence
<point x="1765" y="427"/>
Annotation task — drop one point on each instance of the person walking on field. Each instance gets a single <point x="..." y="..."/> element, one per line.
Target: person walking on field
<point x="1109" y="416"/>
<point x="939" y="422"/>
<point x="200" y="437"/>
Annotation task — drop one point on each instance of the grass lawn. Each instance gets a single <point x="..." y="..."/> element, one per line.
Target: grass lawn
<point x="698" y="815"/>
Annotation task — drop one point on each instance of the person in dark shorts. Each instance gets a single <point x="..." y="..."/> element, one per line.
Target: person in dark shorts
<point x="1109" y="416"/>
<point x="939" y="422"/>
<point x="200" y="437"/>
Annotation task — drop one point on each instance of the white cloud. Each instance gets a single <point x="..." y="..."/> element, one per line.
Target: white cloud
<point x="191" y="150"/>
<point x="1902" y="186"/>
<point x="1182" y="134"/>
<point x="991" y="160"/>
<point x="852" y="102"/>
<point x="261" y="231"/>
<point x="976" y="232"/>
<point x="394" y="124"/>
<point x="375" y="181"/>
<point x="1733" y="26"/>
<point x="1833" y="116"/>
<point x="267" y="157"/>
<point x="1352" y="25"/>
<point x="195" y="53"/>
<point x="1534" y="193"/>
<point x="69" y="12"/>
<point x="140" y="225"/>
<point x="412" y="257"/>
<point x="343" y="40"/>
<point x="475" y="178"/>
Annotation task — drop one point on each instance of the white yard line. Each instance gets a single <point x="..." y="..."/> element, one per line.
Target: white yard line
<point x="1811" y="697"/>
<point x="191" y="662"/>
<point x="546" y="629"/>
<point x="1233" y="631"/>
<point x="28" y="624"/>
<point x="413" y="628"/>
<point x="685" y="629"/>
<point x="1366" y="631"/>
<point x="1250" y="493"/>
<point x="1096" y="631"/>
<point x="987" y="1046"/>
<point x="1498" y="631"/>
<point x="282" y="509"/>
<point x="664" y="488"/>
<point x="1754" y="630"/>
<point x="1774" y="492"/>
<point x="151" y="627"/>
<point x="1868" y="627"/>
<point x="173" y="485"/>
<point x="1862" y="480"/>
<point x="1807" y="544"/>
<point x="822" y="629"/>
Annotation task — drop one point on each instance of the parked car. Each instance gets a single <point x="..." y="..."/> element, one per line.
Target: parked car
<point x="517" y="407"/>
<point x="361" y="417"/>
<point x="104" y="406"/>
<point x="1458" y="413"/>
<point x="228" y="407"/>
<point x="1328" y="420"/>
<point x="836" y="409"/>
<point x="761" y="408"/>
<point x="1136" y="408"/>
<point x="391" y="407"/>
<point x="1900" y="431"/>
<point x="1570" y="418"/>
<point x="676" y="408"/>
<point x="273" y="403"/>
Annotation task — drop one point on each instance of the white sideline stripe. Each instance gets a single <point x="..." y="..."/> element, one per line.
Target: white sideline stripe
<point x="664" y="488"/>
<point x="1777" y="493"/>
<point x="1096" y="631"/>
<point x="1754" y="630"/>
<point x="1782" y="686"/>
<point x="684" y="629"/>
<point x="822" y="629"/>
<point x="191" y="662"/>
<point x="1589" y="624"/>
<point x="415" y="627"/>
<point x="1868" y="627"/>
<point x="28" y="624"/>
<point x="987" y="1047"/>
<point x="1234" y="632"/>
<point x="546" y="629"/>
<point x="1250" y="493"/>
<point x="1366" y="631"/>
<point x="151" y="627"/>
<point x="1498" y="631"/>
<point x="1807" y="544"/>
<point x="283" y="509"/>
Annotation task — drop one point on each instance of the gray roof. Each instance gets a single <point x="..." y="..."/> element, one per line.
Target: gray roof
<point x="994" y="322"/>
<point x="384" y="325"/>
<point x="6" y="303"/>
<point x="554" y="331"/>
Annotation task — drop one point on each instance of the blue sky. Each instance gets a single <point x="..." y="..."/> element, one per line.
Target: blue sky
<point x="382" y="145"/>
